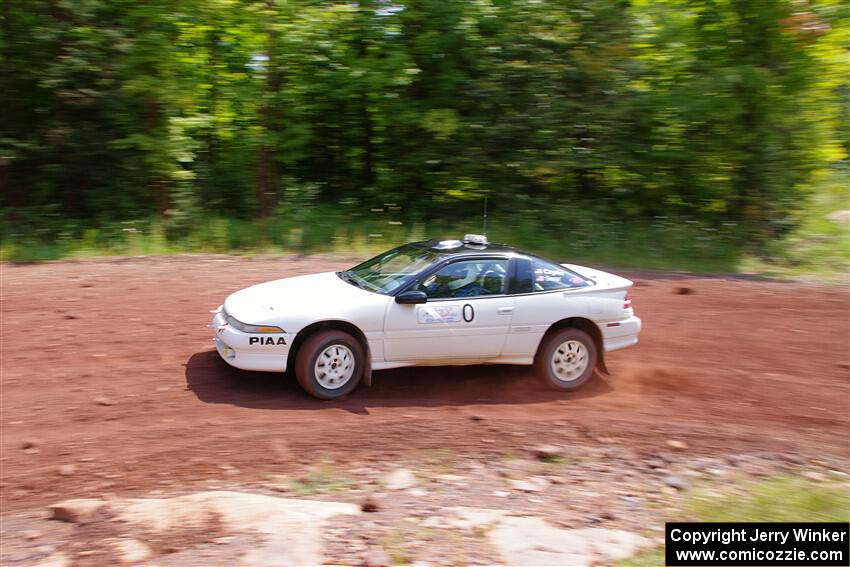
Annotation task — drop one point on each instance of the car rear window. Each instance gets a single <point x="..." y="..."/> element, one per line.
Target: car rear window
<point x="536" y="275"/>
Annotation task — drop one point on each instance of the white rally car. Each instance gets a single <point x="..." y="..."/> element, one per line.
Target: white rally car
<point x="430" y="303"/>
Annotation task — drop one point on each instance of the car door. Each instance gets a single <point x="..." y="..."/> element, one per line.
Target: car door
<point x="467" y="315"/>
<point x="544" y="293"/>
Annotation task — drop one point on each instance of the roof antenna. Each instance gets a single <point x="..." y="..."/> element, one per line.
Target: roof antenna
<point x="485" y="216"/>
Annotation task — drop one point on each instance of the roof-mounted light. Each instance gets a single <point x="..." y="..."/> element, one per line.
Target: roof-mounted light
<point x="479" y="239"/>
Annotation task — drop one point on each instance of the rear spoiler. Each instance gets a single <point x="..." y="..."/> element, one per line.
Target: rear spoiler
<point x="600" y="278"/>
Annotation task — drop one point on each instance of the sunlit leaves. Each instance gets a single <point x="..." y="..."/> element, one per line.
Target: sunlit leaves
<point x="717" y="109"/>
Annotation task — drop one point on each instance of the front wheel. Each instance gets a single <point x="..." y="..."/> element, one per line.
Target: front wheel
<point x="329" y="364"/>
<point x="566" y="359"/>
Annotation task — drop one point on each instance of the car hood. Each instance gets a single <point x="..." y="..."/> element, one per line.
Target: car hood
<point x="265" y="303"/>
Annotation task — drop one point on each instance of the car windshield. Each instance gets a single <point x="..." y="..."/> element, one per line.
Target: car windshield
<point x="389" y="271"/>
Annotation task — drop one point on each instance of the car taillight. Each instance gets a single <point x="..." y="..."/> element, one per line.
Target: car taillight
<point x="627" y="302"/>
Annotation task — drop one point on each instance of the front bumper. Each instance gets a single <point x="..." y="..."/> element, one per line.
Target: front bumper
<point x="621" y="334"/>
<point x="267" y="352"/>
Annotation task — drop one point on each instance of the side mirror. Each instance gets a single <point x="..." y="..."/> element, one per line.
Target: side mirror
<point x="411" y="297"/>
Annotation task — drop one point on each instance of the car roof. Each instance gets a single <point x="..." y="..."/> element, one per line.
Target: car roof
<point x="440" y="248"/>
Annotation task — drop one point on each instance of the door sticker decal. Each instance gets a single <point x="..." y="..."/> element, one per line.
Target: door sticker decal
<point x="468" y="313"/>
<point x="438" y="314"/>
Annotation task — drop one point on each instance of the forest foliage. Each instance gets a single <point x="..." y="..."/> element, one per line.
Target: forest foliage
<point x="728" y="112"/>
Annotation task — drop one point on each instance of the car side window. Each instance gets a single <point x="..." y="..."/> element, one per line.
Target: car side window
<point x="547" y="277"/>
<point x="523" y="280"/>
<point x="468" y="278"/>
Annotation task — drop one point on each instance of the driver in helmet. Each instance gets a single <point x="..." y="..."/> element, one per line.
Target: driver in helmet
<point x="458" y="281"/>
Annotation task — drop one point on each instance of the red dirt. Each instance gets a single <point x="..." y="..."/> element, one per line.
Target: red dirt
<point x="734" y="366"/>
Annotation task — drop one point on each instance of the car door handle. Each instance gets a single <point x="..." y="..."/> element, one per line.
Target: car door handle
<point x="506" y="310"/>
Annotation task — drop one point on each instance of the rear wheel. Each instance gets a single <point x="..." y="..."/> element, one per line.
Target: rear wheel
<point x="329" y="364"/>
<point x="566" y="359"/>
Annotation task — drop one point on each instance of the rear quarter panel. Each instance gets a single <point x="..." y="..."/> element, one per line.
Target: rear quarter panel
<point x="534" y="313"/>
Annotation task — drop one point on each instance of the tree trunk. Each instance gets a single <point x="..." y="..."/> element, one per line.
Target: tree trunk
<point x="211" y="183"/>
<point x="369" y="150"/>
<point x="158" y="183"/>
<point x="267" y="181"/>
<point x="7" y="77"/>
<point x="368" y="176"/>
<point x="268" y="171"/>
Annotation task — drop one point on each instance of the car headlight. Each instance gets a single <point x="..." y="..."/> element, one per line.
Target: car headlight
<point x="246" y="328"/>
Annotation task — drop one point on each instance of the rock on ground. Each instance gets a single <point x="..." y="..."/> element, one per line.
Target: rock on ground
<point x="399" y="479"/>
<point x="370" y="504"/>
<point x="67" y="470"/>
<point x="531" y="541"/>
<point x="376" y="558"/>
<point x="676" y="482"/>
<point x="533" y="484"/>
<point x="132" y="550"/>
<point x="465" y="518"/>
<point x="77" y="511"/>
<point x="57" y="559"/>
<point x="290" y="529"/>
<point x="548" y="452"/>
<point x="523" y="541"/>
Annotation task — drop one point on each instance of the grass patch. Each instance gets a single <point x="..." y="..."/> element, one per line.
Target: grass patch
<point x="326" y="478"/>
<point x="566" y="235"/>
<point x="409" y="541"/>
<point x="512" y="456"/>
<point x="653" y="558"/>
<point x="395" y="544"/>
<point x="818" y="247"/>
<point x="778" y="499"/>
<point x="553" y="465"/>
<point x="441" y="461"/>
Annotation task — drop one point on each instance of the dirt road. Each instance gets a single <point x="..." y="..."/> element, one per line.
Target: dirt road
<point x="110" y="383"/>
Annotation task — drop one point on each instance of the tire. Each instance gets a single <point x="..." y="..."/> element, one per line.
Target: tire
<point x="566" y="359"/>
<point x="339" y="371"/>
